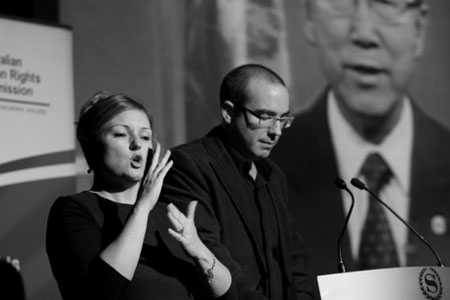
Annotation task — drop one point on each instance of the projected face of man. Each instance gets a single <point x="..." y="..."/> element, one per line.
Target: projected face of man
<point x="368" y="50"/>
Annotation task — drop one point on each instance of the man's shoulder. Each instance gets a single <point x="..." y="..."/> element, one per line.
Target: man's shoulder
<point x="430" y="129"/>
<point x="197" y="148"/>
<point x="210" y="145"/>
<point x="192" y="146"/>
<point x="199" y="155"/>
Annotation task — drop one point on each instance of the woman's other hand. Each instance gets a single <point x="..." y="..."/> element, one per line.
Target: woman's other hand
<point x="184" y="229"/>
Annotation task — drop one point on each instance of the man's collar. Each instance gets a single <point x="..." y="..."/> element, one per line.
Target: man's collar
<point x="351" y="149"/>
<point x="242" y="163"/>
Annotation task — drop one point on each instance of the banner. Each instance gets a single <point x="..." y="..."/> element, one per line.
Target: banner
<point x="37" y="146"/>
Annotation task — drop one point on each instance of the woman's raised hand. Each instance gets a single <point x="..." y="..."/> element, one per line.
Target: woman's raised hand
<point x="153" y="181"/>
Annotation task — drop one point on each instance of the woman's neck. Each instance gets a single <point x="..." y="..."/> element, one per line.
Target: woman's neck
<point x="124" y="195"/>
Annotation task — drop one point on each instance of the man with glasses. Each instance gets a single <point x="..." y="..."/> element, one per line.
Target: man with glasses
<point x="366" y="121"/>
<point x="242" y="214"/>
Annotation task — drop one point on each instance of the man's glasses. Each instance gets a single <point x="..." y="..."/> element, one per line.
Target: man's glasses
<point x="264" y="120"/>
<point x="385" y="10"/>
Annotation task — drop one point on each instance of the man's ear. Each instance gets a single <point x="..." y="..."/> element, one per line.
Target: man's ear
<point x="308" y="24"/>
<point x="227" y="111"/>
<point x="421" y="27"/>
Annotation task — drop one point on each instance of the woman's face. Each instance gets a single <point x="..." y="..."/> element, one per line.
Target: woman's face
<point x="125" y="141"/>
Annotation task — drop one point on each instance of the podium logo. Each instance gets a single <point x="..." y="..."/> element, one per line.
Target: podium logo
<point x="431" y="284"/>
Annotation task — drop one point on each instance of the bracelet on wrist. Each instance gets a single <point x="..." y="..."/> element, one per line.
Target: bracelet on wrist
<point x="209" y="272"/>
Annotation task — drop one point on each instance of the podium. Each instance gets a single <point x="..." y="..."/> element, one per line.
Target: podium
<point x="408" y="283"/>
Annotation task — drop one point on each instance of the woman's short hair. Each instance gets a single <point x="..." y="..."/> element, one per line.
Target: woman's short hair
<point x="95" y="113"/>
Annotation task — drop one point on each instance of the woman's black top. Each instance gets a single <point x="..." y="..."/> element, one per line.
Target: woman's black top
<point x="82" y="225"/>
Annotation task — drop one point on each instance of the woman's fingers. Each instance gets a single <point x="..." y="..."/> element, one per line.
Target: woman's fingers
<point x="191" y="210"/>
<point x="179" y="220"/>
<point x="176" y="213"/>
<point x="165" y="169"/>
<point x="158" y="169"/>
<point x="178" y="227"/>
<point x="155" y="158"/>
<point x="162" y="163"/>
<point x="175" y="234"/>
<point x="184" y="229"/>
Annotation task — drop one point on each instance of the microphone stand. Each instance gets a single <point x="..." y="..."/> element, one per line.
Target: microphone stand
<point x="343" y="186"/>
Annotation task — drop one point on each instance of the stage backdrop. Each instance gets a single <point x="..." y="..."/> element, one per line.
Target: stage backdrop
<point x="37" y="142"/>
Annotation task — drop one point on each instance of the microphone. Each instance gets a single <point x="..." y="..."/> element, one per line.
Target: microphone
<point x="360" y="185"/>
<point x="343" y="186"/>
